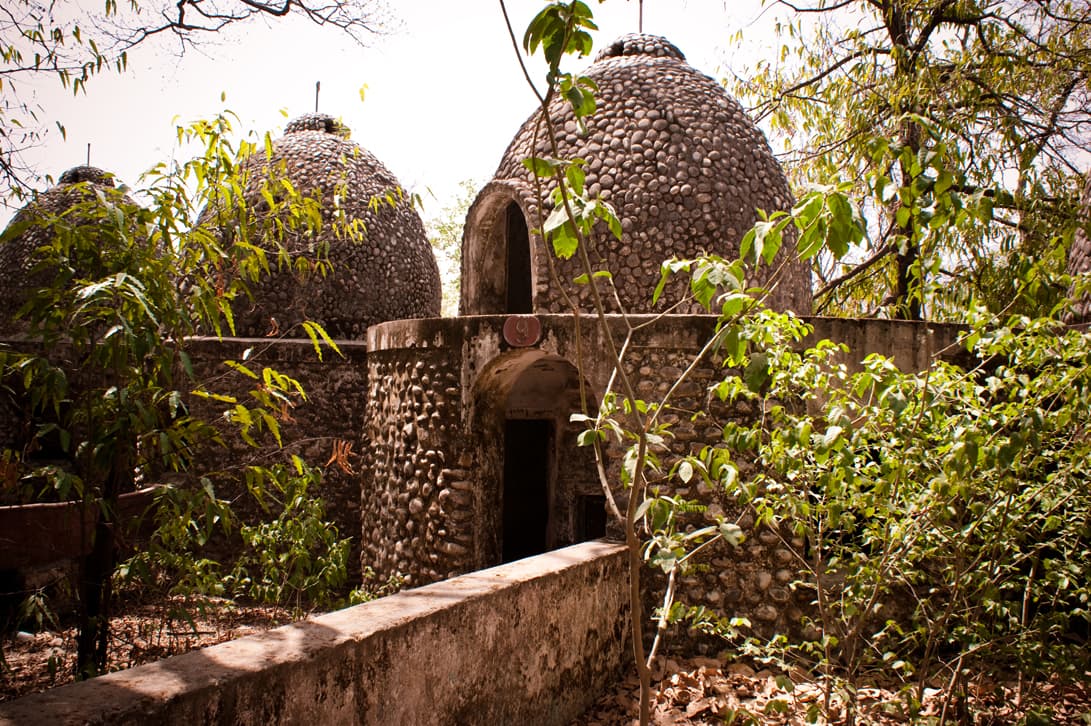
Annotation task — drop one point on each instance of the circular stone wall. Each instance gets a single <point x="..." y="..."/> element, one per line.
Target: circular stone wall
<point x="677" y="158"/>
<point x="389" y="273"/>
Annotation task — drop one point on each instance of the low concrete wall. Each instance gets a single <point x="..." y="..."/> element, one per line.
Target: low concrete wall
<point x="534" y="641"/>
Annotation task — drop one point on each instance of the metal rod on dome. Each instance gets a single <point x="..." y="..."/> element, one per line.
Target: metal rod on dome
<point x="317" y="88"/>
<point x="88" y="153"/>
<point x="640" y="17"/>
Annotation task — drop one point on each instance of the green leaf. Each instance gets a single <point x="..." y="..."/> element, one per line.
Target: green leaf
<point x="642" y="509"/>
<point x="756" y="374"/>
<point x="235" y="365"/>
<point x="685" y="471"/>
<point x="732" y="533"/>
<point x="589" y="437"/>
<point x="540" y="167"/>
<point x="770" y="242"/>
<point x="902" y="215"/>
<point x="944" y="182"/>
<point x="666" y="269"/>
<point x="746" y="246"/>
<point x="318" y="333"/>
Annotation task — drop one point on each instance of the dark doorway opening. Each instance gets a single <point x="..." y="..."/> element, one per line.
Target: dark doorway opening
<point x="590" y="517"/>
<point x="519" y="288"/>
<point x="528" y="458"/>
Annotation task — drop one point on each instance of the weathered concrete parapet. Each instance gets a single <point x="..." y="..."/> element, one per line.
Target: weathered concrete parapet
<point x="533" y="642"/>
<point x="912" y="345"/>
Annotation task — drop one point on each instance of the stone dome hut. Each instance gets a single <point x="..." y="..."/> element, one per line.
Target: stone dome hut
<point x="1079" y="257"/>
<point x="677" y="158"/>
<point x="76" y="186"/>
<point x="387" y="273"/>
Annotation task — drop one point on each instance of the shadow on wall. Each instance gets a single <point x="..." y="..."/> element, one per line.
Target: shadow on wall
<point x="539" y="490"/>
<point x="530" y="642"/>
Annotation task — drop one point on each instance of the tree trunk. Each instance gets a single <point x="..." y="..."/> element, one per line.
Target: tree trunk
<point x="909" y="283"/>
<point x="96" y="576"/>
<point x="96" y="594"/>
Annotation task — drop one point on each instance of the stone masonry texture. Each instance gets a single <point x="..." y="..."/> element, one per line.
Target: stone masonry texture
<point x="675" y="156"/>
<point x="387" y="272"/>
<point x="1079" y="256"/>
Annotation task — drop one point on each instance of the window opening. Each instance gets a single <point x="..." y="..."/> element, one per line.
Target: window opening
<point x="519" y="288"/>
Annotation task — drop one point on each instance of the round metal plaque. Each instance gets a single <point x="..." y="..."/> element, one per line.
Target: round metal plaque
<point x="521" y="331"/>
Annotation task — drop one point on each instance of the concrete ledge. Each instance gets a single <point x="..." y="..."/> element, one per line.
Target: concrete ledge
<point x="534" y="641"/>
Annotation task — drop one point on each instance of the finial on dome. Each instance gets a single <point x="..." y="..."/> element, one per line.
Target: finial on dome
<point x="87" y="173"/>
<point x="655" y="46"/>
<point x="317" y="122"/>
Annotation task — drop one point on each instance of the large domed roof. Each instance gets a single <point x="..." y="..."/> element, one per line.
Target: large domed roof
<point x="389" y="273"/>
<point x="677" y="158"/>
<point x="30" y="229"/>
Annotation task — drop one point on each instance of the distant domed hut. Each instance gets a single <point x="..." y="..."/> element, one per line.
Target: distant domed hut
<point x="677" y="158"/>
<point x="30" y="230"/>
<point x="387" y="273"/>
<point x="1079" y="257"/>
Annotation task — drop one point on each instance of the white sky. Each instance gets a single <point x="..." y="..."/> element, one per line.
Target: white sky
<point x="444" y="92"/>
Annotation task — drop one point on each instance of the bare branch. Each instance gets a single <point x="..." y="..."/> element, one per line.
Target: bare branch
<point x="856" y="271"/>
<point x="34" y="41"/>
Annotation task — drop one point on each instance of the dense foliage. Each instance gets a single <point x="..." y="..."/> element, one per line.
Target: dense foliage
<point x="106" y="383"/>
<point x="986" y="100"/>
<point x="944" y="516"/>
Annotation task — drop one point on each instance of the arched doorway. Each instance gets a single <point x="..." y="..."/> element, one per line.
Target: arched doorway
<point x="520" y="290"/>
<point x="541" y="491"/>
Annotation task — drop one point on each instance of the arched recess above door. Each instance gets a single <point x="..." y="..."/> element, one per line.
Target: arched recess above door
<point x="499" y="266"/>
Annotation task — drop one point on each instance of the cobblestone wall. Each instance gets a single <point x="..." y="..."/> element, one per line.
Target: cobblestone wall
<point x="333" y="412"/>
<point x="752" y="580"/>
<point x="430" y="496"/>
<point x="416" y="499"/>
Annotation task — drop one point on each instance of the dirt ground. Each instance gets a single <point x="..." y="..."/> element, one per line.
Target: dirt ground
<point x="701" y="691"/>
<point x="695" y="691"/>
<point x="140" y="633"/>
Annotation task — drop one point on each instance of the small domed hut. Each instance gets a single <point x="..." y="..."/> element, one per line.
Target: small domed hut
<point x="386" y="272"/>
<point x="32" y="227"/>
<point x="674" y="155"/>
